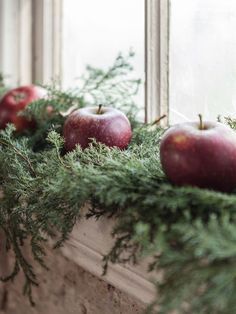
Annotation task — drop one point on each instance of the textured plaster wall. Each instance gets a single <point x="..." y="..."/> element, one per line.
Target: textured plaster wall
<point x="67" y="289"/>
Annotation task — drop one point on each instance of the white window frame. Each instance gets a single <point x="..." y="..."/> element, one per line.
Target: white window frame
<point x="16" y="58"/>
<point x="33" y="53"/>
<point x="47" y="42"/>
<point x="157" y="59"/>
<point x="37" y="56"/>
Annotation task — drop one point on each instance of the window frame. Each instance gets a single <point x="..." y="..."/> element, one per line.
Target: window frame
<point x="157" y="59"/>
<point x="47" y="41"/>
<point x="39" y="48"/>
<point x="16" y="59"/>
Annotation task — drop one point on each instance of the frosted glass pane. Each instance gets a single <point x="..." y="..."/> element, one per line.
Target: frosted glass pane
<point x="95" y="31"/>
<point x="202" y="59"/>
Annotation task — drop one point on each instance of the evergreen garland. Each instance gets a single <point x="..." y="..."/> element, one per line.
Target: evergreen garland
<point x="189" y="232"/>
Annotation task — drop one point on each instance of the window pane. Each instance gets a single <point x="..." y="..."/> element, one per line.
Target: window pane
<point x="95" y="31"/>
<point x="202" y="59"/>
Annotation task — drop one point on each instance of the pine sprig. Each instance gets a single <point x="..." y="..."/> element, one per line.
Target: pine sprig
<point x="199" y="275"/>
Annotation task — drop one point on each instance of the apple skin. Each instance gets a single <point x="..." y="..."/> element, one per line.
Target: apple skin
<point x="15" y="101"/>
<point x="204" y="158"/>
<point x="110" y="127"/>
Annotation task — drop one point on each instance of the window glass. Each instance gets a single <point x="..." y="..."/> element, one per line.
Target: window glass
<point x="202" y="59"/>
<point x="95" y="31"/>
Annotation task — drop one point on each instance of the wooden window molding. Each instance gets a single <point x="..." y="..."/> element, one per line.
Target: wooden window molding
<point x="16" y="41"/>
<point x="157" y="59"/>
<point x="30" y="41"/>
<point x="46" y="46"/>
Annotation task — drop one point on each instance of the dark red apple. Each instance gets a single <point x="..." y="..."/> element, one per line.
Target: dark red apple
<point x="200" y="154"/>
<point x="15" y="101"/>
<point x="106" y="125"/>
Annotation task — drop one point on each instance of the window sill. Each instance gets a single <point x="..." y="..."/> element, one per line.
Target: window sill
<point x="89" y="241"/>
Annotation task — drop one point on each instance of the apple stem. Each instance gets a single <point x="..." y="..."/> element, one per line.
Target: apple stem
<point x="99" y="111"/>
<point x="201" y="124"/>
<point x="158" y="119"/>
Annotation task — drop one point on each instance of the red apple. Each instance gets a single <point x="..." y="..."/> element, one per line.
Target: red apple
<point x="200" y="154"/>
<point x="15" y="101"/>
<point x="107" y="125"/>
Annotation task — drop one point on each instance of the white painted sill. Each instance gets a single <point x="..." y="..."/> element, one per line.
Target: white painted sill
<point x="89" y="241"/>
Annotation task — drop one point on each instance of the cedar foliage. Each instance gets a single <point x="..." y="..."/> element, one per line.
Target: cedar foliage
<point x="189" y="232"/>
